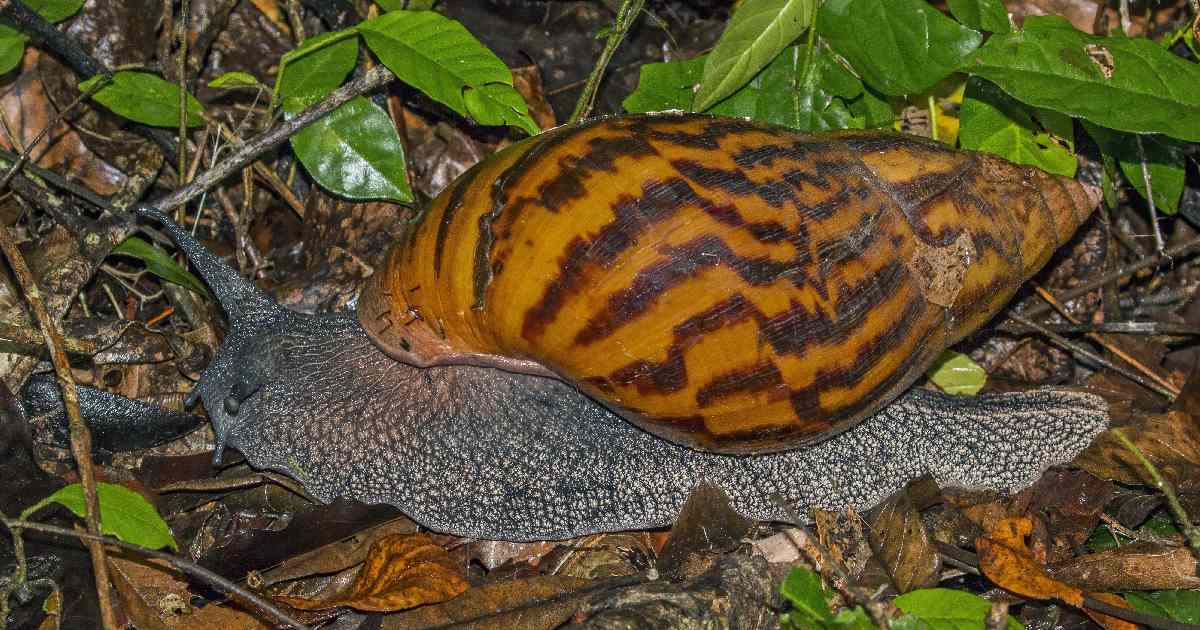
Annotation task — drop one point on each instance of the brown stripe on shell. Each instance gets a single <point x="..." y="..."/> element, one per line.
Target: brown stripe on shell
<point x="659" y="201"/>
<point x="453" y="204"/>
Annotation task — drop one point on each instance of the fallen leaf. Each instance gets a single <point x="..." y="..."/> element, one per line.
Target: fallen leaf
<point x="538" y="602"/>
<point x="1006" y="560"/>
<point x="401" y="572"/>
<point x="900" y="541"/>
<point x="1138" y="566"/>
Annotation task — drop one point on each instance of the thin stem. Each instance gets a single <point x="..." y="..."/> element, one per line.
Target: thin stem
<point x="1190" y="531"/>
<point x="205" y="576"/>
<point x="81" y="439"/>
<point x="626" y="16"/>
<point x="248" y="151"/>
<point x="1158" y="238"/>
<point x="1080" y="351"/>
<point x="1117" y="274"/>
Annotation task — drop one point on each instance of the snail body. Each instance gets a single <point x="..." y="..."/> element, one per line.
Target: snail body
<point x="756" y="300"/>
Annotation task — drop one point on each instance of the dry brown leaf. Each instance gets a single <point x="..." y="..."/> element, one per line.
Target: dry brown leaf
<point x="902" y="544"/>
<point x="532" y="603"/>
<point x="1139" y="566"/>
<point x="400" y="572"/>
<point x="1006" y="560"/>
<point x="1111" y="623"/>
<point x="706" y="528"/>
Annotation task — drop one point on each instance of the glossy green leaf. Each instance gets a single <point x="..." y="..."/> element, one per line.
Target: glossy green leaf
<point x="897" y="46"/>
<point x="948" y="609"/>
<point x="754" y="36"/>
<point x="235" y="79"/>
<point x="993" y="121"/>
<point x="987" y="15"/>
<point x="499" y="104"/>
<point x="1180" y="605"/>
<point x="355" y="152"/>
<point x="664" y="86"/>
<point x="789" y="91"/>
<point x="144" y="98"/>
<point x="803" y="590"/>
<point x="159" y="263"/>
<point x="316" y="68"/>
<point x="955" y="373"/>
<point x="123" y="513"/>
<point x="439" y="57"/>
<point x="873" y="109"/>
<point x="55" y="10"/>
<point x="1165" y="161"/>
<point x="12" y="48"/>
<point x="1128" y="84"/>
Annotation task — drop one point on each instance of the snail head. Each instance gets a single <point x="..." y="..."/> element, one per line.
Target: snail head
<point x="251" y="349"/>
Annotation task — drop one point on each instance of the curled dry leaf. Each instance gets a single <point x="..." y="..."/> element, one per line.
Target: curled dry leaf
<point x="900" y="541"/>
<point x="1005" y="560"/>
<point x="544" y="601"/>
<point x="400" y="572"/>
<point x="1134" y="567"/>
<point x="1171" y="441"/>
<point x="707" y="527"/>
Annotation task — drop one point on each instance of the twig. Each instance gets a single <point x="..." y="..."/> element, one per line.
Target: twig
<point x="1136" y="616"/>
<point x="1125" y="356"/>
<point x="1158" y="238"/>
<point x="1190" y="531"/>
<point x="626" y="16"/>
<point x="1078" y="350"/>
<point x="81" y="439"/>
<point x="181" y="27"/>
<point x="251" y="149"/>
<point x="205" y="576"/>
<point x="1117" y="274"/>
<point x="69" y="50"/>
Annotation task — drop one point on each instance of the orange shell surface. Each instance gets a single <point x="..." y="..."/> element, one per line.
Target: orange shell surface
<point x="726" y="284"/>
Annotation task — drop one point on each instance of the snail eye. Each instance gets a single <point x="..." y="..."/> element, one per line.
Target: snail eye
<point x="232" y="405"/>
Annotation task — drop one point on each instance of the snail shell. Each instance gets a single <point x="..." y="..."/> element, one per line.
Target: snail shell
<point x="729" y="285"/>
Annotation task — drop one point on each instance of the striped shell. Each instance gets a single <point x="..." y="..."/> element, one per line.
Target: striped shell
<point x="726" y="284"/>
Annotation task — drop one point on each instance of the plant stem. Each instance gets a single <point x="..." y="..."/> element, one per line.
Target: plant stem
<point x="626" y="16"/>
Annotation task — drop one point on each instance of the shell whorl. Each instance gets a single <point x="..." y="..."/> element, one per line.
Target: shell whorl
<point x="730" y="285"/>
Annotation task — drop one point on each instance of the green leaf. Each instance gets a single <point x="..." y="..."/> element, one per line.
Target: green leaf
<point x="144" y="98"/>
<point x="159" y="263"/>
<point x="872" y="109"/>
<point x="354" y="152"/>
<point x="987" y="15"/>
<point x="55" y="10"/>
<point x="1165" y="161"/>
<point x="993" y="121"/>
<point x="235" y="79"/>
<point x="1119" y="82"/>
<point x="755" y="34"/>
<point x="499" y="104"/>
<point x="663" y="86"/>
<point x="802" y="588"/>
<point x="12" y="47"/>
<point x="1179" y="605"/>
<point x="439" y="57"/>
<point x="955" y="373"/>
<point x="897" y="46"/>
<point x="948" y="609"/>
<point x="123" y="513"/>
<point x="315" y="69"/>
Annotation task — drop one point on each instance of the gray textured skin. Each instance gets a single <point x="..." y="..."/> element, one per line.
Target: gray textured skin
<point x="116" y="423"/>
<point x="490" y="454"/>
